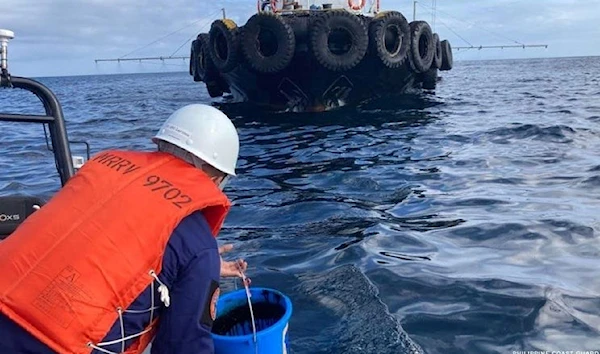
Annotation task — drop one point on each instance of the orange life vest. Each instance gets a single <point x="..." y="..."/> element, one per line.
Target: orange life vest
<point x="90" y="250"/>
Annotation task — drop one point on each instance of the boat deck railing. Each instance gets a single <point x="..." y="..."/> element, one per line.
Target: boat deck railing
<point x="53" y="117"/>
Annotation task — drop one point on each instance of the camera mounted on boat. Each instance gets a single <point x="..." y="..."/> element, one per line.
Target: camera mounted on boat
<point x="5" y="36"/>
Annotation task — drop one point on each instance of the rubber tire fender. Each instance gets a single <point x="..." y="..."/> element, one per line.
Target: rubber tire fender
<point x="437" y="58"/>
<point x="251" y="42"/>
<point x="205" y="68"/>
<point x="378" y="35"/>
<point x="226" y="29"/>
<point x="447" y="59"/>
<point x="299" y="25"/>
<point x="193" y="59"/>
<point x="420" y="59"/>
<point x="430" y="79"/>
<point x="319" y="38"/>
<point x="214" y="89"/>
<point x="196" y="57"/>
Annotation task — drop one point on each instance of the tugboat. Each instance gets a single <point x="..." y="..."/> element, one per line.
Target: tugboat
<point x="312" y="58"/>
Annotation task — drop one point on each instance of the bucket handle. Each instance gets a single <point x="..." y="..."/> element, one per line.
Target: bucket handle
<point x="248" y="295"/>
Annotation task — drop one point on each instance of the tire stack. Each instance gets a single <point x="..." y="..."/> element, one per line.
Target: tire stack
<point x="337" y="40"/>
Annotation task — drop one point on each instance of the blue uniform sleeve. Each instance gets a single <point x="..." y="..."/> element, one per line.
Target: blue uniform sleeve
<point x="185" y="326"/>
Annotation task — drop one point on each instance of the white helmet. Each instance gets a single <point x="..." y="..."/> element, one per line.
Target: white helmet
<point x="205" y="132"/>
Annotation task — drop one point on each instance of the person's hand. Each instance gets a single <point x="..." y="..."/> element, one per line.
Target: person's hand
<point x="232" y="269"/>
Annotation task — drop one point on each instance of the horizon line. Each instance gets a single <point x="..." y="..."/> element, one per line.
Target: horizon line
<point x="184" y="71"/>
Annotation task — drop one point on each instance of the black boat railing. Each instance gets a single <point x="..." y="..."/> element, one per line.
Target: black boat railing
<point x="17" y="208"/>
<point x="53" y="117"/>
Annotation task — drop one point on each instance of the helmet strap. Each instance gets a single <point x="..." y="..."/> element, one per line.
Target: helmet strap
<point x="224" y="182"/>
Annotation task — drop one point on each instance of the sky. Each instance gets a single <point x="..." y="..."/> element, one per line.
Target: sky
<point x="63" y="37"/>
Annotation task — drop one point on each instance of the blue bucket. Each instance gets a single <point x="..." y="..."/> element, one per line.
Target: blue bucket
<point x="232" y="328"/>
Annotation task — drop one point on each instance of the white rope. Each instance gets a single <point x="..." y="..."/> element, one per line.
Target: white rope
<point x="122" y="329"/>
<point x="152" y="302"/>
<point x="126" y="338"/>
<point x="164" y="297"/>
<point x="152" y="307"/>
<point x="100" y="349"/>
<point x="248" y="295"/>
<point x="162" y="289"/>
<point x="142" y="311"/>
